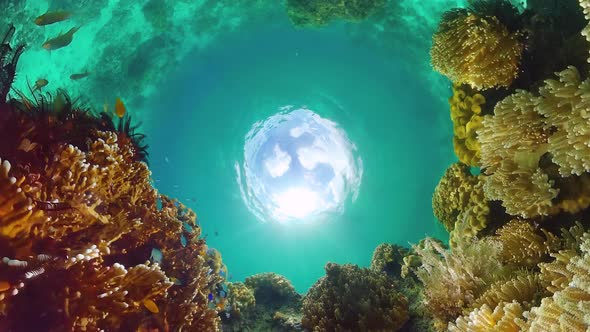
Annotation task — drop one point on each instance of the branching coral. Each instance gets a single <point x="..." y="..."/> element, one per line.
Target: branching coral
<point x="459" y="203"/>
<point x="320" y="12"/>
<point x="476" y="50"/>
<point x="466" y="115"/>
<point x="78" y="221"/>
<point x="350" y="298"/>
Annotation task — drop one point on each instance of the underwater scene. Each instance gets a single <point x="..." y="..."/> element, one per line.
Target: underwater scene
<point x="295" y="165"/>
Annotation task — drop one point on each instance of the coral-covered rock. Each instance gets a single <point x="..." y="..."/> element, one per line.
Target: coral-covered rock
<point x="350" y="298"/>
<point x="272" y="290"/>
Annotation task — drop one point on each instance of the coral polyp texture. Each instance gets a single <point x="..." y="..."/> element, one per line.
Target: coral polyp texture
<point x="466" y="113"/>
<point x="350" y="298"/>
<point x="317" y="13"/>
<point x="78" y="221"/>
<point x="476" y="50"/>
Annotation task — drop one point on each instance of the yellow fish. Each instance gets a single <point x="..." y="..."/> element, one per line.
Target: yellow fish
<point x="60" y="41"/>
<point x="120" y="109"/>
<point x="151" y="306"/>
<point x="52" y="17"/>
<point x="40" y="83"/>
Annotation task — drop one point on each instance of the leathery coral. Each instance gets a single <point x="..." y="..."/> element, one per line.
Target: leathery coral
<point x="350" y="298"/>
<point x="474" y="50"/>
<point x="534" y="147"/>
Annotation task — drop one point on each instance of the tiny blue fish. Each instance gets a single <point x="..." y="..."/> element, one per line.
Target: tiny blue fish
<point x="227" y="315"/>
<point x="210" y="297"/>
<point x="156" y="255"/>
<point x="183" y="240"/>
<point x="187" y="227"/>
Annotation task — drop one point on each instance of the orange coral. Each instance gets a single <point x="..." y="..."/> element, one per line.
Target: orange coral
<point x="479" y="51"/>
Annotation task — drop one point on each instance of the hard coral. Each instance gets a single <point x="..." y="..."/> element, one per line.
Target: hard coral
<point x="350" y="298"/>
<point x="78" y="221"/>
<point x="476" y="50"/>
<point x="240" y="298"/>
<point x="388" y="258"/>
<point x="273" y="290"/>
<point x="317" y="13"/>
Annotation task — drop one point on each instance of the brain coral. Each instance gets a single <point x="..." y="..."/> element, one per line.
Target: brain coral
<point x="350" y="298"/>
<point x="475" y="50"/>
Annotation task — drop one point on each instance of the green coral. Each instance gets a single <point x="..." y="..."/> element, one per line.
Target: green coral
<point x="350" y="298"/>
<point x="388" y="258"/>
<point x="318" y="13"/>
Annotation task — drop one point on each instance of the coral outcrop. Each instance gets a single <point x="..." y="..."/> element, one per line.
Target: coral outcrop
<point x="79" y="220"/>
<point x="388" y="258"/>
<point x="350" y="298"/>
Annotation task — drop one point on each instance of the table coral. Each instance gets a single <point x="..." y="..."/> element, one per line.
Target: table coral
<point x="350" y="298"/>
<point x="476" y="50"/>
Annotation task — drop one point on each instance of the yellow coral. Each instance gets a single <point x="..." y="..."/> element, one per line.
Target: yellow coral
<point x="459" y="202"/>
<point x="527" y="289"/>
<point x="465" y="113"/>
<point x="240" y="298"/>
<point x="501" y="319"/>
<point x="568" y="308"/>
<point x="479" y="51"/>
<point x="524" y="245"/>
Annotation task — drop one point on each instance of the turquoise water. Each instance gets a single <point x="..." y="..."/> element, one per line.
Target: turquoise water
<point x="204" y="110"/>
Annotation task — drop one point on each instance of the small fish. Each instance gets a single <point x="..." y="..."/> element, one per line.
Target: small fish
<point x="52" y="17"/>
<point x="210" y="297"/>
<point x="156" y="255"/>
<point x="175" y="281"/>
<point x="4" y="286"/>
<point x="166" y="159"/>
<point x="60" y="41"/>
<point x="151" y="306"/>
<point x="40" y="83"/>
<point x="26" y="145"/>
<point x="222" y="273"/>
<point x="222" y="293"/>
<point x="183" y="240"/>
<point x="120" y="109"/>
<point x="227" y="314"/>
<point x="76" y="77"/>
<point x="216" y="233"/>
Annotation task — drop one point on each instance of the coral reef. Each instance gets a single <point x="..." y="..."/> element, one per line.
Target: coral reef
<point x="476" y="50"/>
<point x="350" y="298"/>
<point x="317" y="13"/>
<point x="79" y="218"/>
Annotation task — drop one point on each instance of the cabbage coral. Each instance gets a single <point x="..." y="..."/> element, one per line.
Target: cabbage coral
<point x="78" y="221"/>
<point x="317" y="13"/>
<point x="476" y="50"/>
<point x="350" y="298"/>
<point x="466" y="108"/>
